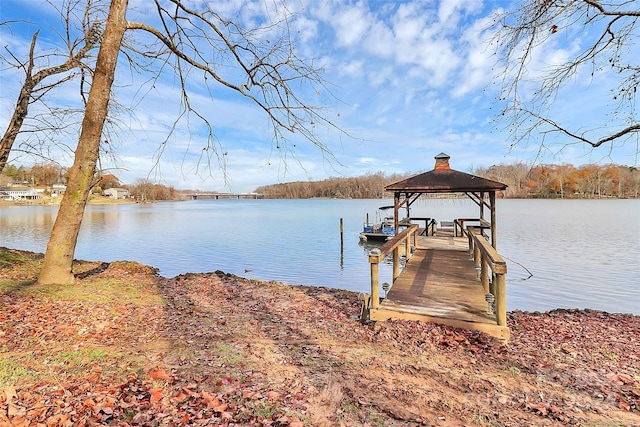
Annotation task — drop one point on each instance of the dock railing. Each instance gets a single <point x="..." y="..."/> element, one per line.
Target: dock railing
<point x="429" y="225"/>
<point x="406" y="238"/>
<point x="487" y="262"/>
<point x="458" y="224"/>
<point x="486" y="257"/>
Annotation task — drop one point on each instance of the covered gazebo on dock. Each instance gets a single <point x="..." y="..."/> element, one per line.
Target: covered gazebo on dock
<point x="444" y="180"/>
<point x="453" y="274"/>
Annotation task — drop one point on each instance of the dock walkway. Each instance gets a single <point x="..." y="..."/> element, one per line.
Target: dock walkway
<point x="440" y="284"/>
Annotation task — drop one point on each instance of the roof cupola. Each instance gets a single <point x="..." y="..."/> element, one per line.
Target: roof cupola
<point x="442" y="161"/>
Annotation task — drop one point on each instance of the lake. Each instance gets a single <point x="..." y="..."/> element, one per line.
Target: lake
<point x="580" y="253"/>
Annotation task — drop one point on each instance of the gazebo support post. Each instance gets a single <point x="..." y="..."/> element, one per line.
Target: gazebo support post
<point x="396" y="209"/>
<point x="492" y="202"/>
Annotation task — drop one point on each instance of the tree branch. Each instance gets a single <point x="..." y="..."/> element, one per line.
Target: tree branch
<point x="602" y="32"/>
<point x="30" y="92"/>
<point x="602" y="10"/>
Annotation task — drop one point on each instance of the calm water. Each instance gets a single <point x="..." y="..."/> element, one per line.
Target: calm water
<point x="582" y="254"/>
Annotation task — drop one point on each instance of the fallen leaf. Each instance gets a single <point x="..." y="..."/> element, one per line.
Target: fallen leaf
<point x="220" y="407"/>
<point x="156" y="394"/>
<point x="624" y="406"/>
<point x="14" y="410"/>
<point x="9" y="393"/>
<point x="158" y="374"/>
<point x="273" y="395"/>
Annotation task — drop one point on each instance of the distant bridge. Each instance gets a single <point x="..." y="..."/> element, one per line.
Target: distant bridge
<point x="216" y="196"/>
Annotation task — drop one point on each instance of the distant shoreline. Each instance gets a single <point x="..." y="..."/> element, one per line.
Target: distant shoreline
<point x="100" y="200"/>
<point x="49" y="201"/>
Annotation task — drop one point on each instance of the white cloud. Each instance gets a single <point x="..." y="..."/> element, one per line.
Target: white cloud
<point x="450" y="12"/>
<point x="351" y="24"/>
<point x="479" y="62"/>
<point x="380" y="40"/>
<point x="367" y="160"/>
<point x="354" y="68"/>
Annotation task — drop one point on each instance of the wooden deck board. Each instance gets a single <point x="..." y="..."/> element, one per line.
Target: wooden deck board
<point x="439" y="284"/>
<point x="448" y="243"/>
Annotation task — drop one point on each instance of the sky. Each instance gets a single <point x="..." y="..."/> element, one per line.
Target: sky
<point x="404" y="81"/>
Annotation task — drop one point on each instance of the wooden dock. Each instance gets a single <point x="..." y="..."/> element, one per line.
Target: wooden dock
<point x="453" y="273"/>
<point x="443" y="282"/>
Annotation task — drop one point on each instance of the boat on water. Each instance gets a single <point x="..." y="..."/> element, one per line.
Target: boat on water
<point x="380" y="230"/>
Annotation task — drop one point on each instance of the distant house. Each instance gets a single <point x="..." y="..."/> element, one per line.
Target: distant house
<point x="57" y="189"/>
<point x="19" y="193"/>
<point x="116" y="193"/>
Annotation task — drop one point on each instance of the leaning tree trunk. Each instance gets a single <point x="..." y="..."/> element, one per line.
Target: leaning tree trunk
<point x="57" y="264"/>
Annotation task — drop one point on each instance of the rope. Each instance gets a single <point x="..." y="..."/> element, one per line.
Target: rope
<point x="516" y="262"/>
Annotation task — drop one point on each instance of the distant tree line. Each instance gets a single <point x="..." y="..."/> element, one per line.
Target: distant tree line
<point x="542" y="181"/>
<point x="370" y="186"/>
<point x="48" y="174"/>
<point x="565" y="181"/>
<point x="144" y="189"/>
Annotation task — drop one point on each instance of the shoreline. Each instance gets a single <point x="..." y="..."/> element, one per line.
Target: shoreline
<point x="55" y="201"/>
<point x="100" y="200"/>
<point x="583" y="310"/>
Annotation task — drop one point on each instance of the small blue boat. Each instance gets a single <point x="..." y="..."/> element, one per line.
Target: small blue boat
<point x="380" y="230"/>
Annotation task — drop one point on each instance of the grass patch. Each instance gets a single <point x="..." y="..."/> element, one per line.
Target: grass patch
<point x="13" y="286"/>
<point x="11" y="258"/>
<point x="348" y="410"/>
<point x="96" y="290"/>
<point x="11" y="371"/>
<point x="77" y="361"/>
<point x="266" y="410"/>
<point x="228" y="354"/>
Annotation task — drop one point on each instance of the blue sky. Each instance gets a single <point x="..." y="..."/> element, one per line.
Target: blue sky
<point x="406" y="80"/>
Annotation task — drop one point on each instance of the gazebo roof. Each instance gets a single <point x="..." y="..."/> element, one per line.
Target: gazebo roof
<point x="443" y="179"/>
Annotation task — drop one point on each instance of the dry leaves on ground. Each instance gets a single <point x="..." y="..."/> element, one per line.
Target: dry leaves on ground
<point x="125" y="347"/>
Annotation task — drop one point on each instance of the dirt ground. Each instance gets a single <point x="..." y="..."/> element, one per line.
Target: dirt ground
<point x="123" y="346"/>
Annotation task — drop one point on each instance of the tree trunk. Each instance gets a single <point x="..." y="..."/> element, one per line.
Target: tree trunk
<point x="57" y="264"/>
<point x="22" y="108"/>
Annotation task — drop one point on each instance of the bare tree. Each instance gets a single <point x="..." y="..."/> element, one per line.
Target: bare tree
<point x="41" y="80"/>
<point x="266" y="71"/>
<point x="266" y="67"/>
<point x="600" y="37"/>
<point x="57" y="263"/>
